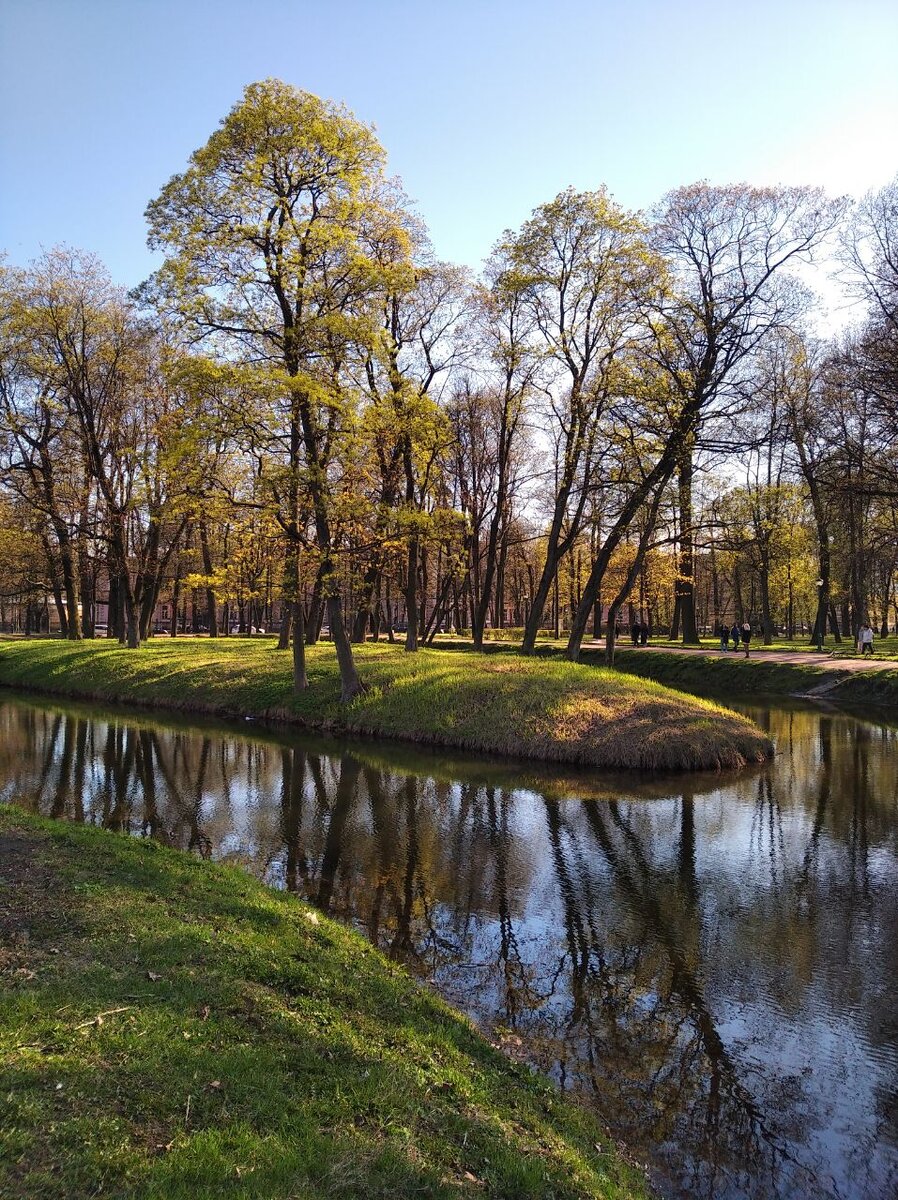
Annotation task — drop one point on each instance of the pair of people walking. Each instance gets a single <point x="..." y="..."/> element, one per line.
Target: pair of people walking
<point x="865" y="640"/>
<point x="738" y="634"/>
<point x="639" y="633"/>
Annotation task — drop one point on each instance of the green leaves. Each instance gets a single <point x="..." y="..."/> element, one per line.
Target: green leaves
<point x="263" y="231"/>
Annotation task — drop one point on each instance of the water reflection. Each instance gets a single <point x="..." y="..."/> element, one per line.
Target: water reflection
<point x="712" y="963"/>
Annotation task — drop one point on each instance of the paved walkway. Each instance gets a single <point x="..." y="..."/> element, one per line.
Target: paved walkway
<point x="807" y="658"/>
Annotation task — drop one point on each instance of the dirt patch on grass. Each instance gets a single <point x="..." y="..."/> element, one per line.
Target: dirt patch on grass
<point x="27" y="887"/>
<point x="37" y="923"/>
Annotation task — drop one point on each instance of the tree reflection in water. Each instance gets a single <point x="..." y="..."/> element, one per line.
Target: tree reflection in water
<point x="710" y="963"/>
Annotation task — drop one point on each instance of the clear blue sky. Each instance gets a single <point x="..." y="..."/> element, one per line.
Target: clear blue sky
<point x="486" y="109"/>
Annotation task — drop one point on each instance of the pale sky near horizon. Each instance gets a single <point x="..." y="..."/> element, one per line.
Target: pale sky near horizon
<point x="485" y="109"/>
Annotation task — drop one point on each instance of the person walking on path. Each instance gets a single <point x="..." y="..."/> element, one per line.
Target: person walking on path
<point x="644" y="633"/>
<point x="724" y="630"/>
<point x="635" y="630"/>
<point x="734" y="634"/>
<point x="746" y="637"/>
<point x="865" y="640"/>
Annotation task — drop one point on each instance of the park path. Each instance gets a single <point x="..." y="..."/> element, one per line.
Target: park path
<point x="807" y="658"/>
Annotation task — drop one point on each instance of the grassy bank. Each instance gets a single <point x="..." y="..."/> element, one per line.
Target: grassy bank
<point x="541" y="709"/>
<point x="171" y="1028"/>
<point x="846" y="649"/>
<point x="721" y="674"/>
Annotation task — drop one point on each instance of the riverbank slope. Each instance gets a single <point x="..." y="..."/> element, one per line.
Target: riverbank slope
<point x="173" y="1028"/>
<point x="498" y="703"/>
<point x="732" y="674"/>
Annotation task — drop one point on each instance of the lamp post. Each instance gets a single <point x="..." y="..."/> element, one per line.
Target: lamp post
<point x="821" y="618"/>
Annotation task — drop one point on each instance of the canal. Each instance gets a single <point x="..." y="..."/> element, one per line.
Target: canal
<point x="710" y="962"/>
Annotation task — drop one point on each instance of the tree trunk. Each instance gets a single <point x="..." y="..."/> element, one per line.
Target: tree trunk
<point x="764" y="585"/>
<point x="87" y="586"/>
<point x="818" y="634"/>
<point x="686" y="571"/>
<point x="56" y="587"/>
<point x="834" y="622"/>
<point x="350" y="683"/>
<point x="656" y="479"/>
<point x="411" y="596"/>
<point x="286" y="625"/>
<point x="300" y="682"/>
<point x="175" y="599"/>
<point x="388" y="608"/>
<point x="211" y="613"/>
<point x="69" y="582"/>
<point x="316" y="610"/>
<point x="554" y="553"/>
<point x="635" y="568"/>
<point x="537" y="606"/>
<point x="286" y="605"/>
<point x="369" y="589"/>
<point x="888" y="572"/>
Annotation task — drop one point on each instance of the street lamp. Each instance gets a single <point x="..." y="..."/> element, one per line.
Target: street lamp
<point x="821" y="618"/>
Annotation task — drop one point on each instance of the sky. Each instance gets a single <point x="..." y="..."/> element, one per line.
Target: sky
<point x="485" y="109"/>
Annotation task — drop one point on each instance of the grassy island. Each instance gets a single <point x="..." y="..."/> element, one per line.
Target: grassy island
<point x="497" y="703"/>
<point x="173" y="1029"/>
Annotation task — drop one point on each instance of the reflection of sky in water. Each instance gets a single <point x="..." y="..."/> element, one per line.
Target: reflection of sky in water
<point x="716" y="972"/>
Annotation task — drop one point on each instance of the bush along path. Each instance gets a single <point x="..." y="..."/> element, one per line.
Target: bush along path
<point x="174" y="1029"/>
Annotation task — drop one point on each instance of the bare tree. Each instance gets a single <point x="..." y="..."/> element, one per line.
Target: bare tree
<point x="728" y="250"/>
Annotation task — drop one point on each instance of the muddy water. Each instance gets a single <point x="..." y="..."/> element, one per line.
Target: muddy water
<point x="711" y="964"/>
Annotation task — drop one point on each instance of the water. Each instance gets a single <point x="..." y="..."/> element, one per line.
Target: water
<point x="710" y="963"/>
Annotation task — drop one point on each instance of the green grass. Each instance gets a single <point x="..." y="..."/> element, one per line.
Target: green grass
<point x="884" y="647"/>
<point x="731" y="674"/>
<point x="172" y="1029"/>
<point x="501" y="703"/>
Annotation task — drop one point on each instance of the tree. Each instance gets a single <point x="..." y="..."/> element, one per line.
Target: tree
<point x="728" y="250"/>
<point x="263" y="234"/>
<point x="416" y="348"/>
<point x="505" y="325"/>
<point x="88" y="350"/>
<point x="39" y="456"/>
<point x="652" y="427"/>
<point x="578" y="265"/>
<point x="869" y="245"/>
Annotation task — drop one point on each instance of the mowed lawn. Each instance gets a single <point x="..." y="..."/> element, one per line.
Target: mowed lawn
<point x="499" y="703"/>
